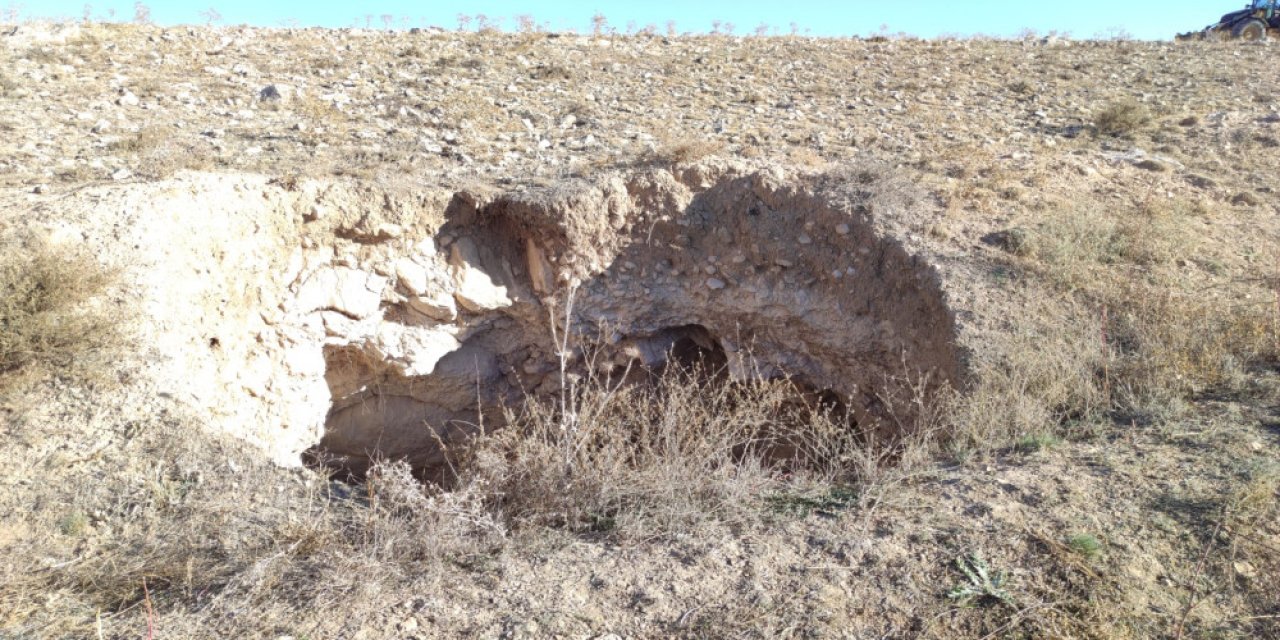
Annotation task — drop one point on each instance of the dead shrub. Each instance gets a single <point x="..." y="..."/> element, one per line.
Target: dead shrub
<point x="50" y="320"/>
<point x="1077" y="246"/>
<point x="1119" y="330"/>
<point x="642" y="460"/>
<point x="1147" y="340"/>
<point x="1041" y="377"/>
<point x="1121" y="118"/>
<point x="685" y="151"/>
<point x="1165" y="342"/>
<point x="144" y="140"/>
<point x="7" y="84"/>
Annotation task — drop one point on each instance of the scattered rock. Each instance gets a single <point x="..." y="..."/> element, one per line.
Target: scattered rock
<point x="1015" y="241"/>
<point x="715" y="284"/>
<point x="1201" y="182"/>
<point x="1151" y="164"/>
<point x="275" y="93"/>
<point x="439" y="306"/>
<point x="1246" y="198"/>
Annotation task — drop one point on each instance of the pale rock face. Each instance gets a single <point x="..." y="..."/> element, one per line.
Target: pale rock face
<point x="350" y="291"/>
<point x="358" y="293"/>
<point x="293" y="333"/>
<point x="477" y="292"/>
<point x="438" y="306"/>
<point x="412" y="275"/>
<point x="474" y="289"/>
<point x="413" y="351"/>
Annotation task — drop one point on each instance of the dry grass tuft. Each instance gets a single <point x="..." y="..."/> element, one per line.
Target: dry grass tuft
<point x="1121" y="118"/>
<point x="49" y="321"/>
<point x="642" y="461"/>
<point x="7" y="84"/>
<point x="685" y="152"/>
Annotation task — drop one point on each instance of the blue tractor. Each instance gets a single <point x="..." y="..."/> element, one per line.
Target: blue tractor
<point x="1250" y="23"/>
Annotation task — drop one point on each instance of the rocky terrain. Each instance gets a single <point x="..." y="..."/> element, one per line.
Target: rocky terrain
<point x="433" y="334"/>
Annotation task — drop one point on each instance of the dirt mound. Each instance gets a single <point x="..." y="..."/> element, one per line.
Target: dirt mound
<point x="359" y="323"/>
<point x="782" y="275"/>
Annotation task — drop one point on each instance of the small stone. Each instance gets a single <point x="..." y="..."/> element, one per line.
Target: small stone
<point x="101" y="126"/>
<point x="276" y="93"/>
<point x="40" y="188"/>
<point x="127" y="99"/>
<point x="805" y="239"/>
<point x="122" y="174"/>
<point x="1151" y="164"/>
<point x="1245" y="569"/>
<point x="439" y="306"/>
<point x="412" y="276"/>
<point x="715" y="284"/>
<point x="1246" y="198"/>
<point x="842" y="229"/>
<point x="1201" y="182"/>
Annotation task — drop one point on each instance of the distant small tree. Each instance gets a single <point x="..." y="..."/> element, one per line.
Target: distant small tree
<point x="485" y="24"/>
<point x="88" y="12"/>
<point x="526" y="24"/>
<point x="762" y="30"/>
<point x="464" y="22"/>
<point x="211" y="16"/>
<point x="141" y="13"/>
<point x="599" y="24"/>
<point x="671" y="28"/>
<point x="1115" y="34"/>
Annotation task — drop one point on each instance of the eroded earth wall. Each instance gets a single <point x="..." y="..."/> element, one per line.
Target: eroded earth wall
<point x="349" y="321"/>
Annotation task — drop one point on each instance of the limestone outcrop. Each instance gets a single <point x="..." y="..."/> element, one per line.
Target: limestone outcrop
<point x="347" y="322"/>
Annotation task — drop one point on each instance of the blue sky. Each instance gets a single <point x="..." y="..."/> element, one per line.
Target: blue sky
<point x="1146" y="19"/>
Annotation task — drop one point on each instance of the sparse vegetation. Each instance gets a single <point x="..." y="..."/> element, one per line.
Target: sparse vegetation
<point x="686" y="151"/>
<point x="982" y="583"/>
<point x="1086" y="545"/>
<point x="1111" y="451"/>
<point x="1122" y="118"/>
<point x="52" y="318"/>
<point x="1032" y="443"/>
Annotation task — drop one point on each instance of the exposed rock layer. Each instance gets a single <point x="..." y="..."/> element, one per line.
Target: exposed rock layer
<point x="352" y="322"/>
